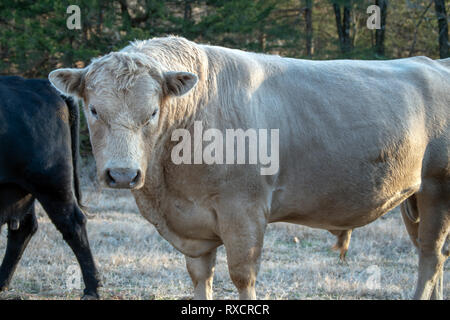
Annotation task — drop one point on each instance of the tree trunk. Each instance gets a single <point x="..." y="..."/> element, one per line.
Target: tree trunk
<point x="262" y="40"/>
<point x="346" y="25"/>
<point x="441" y="15"/>
<point x="379" y="33"/>
<point x="343" y="27"/>
<point x="100" y="19"/>
<point x="127" y="20"/>
<point x="308" y="27"/>
<point x="337" y="13"/>
<point x="187" y="10"/>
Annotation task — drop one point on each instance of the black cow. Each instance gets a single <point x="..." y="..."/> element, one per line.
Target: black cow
<point x="38" y="160"/>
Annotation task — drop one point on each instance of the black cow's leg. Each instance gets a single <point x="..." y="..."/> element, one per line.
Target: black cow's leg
<point x="17" y="242"/>
<point x="71" y="222"/>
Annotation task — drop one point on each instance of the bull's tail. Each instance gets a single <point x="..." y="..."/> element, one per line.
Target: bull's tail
<point x="74" y="120"/>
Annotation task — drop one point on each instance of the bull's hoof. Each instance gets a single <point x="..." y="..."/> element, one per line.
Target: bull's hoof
<point x="3" y="288"/>
<point x="343" y="256"/>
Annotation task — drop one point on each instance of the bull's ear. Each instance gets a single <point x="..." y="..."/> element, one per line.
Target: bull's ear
<point x="68" y="81"/>
<point x="179" y="83"/>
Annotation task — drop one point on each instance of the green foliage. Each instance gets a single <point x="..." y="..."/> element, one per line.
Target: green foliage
<point x="34" y="38"/>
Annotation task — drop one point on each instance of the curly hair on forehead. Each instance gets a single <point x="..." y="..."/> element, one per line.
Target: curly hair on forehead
<point x="123" y="68"/>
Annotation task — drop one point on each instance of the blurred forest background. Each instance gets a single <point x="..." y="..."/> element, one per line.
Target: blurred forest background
<point x="34" y="37"/>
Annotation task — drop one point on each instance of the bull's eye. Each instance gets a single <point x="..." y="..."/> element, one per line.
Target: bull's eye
<point x="93" y="111"/>
<point x="154" y="113"/>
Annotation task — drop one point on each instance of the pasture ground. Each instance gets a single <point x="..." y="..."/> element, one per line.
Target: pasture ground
<point x="137" y="263"/>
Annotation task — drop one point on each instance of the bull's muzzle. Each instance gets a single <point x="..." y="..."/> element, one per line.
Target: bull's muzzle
<point x="123" y="178"/>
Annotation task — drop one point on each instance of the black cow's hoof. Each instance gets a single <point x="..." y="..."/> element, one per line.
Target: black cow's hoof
<point x="3" y="287"/>
<point x="90" y="297"/>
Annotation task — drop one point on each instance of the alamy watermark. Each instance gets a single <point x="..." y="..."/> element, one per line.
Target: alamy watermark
<point x="373" y="280"/>
<point x="73" y="278"/>
<point x="74" y="20"/>
<point x="235" y="151"/>
<point x="374" y="21"/>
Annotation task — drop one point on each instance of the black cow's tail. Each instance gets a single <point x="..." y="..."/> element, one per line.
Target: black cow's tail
<point x="74" y="120"/>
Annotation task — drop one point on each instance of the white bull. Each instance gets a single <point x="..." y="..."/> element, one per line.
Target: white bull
<point x="356" y="139"/>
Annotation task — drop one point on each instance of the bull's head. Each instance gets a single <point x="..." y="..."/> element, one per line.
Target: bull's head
<point x="122" y="94"/>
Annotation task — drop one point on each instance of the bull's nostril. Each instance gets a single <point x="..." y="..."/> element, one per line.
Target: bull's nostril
<point x="136" y="179"/>
<point x="110" y="178"/>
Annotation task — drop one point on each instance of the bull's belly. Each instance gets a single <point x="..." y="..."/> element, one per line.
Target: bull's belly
<point x="348" y="188"/>
<point x="329" y="213"/>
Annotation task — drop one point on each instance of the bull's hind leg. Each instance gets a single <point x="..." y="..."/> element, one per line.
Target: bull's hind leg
<point x="433" y="205"/>
<point x="201" y="270"/>
<point x="411" y="219"/>
<point x="71" y="222"/>
<point x="438" y="290"/>
<point x="18" y="239"/>
<point x="342" y="242"/>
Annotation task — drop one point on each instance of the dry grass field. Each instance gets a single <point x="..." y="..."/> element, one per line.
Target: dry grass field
<point x="136" y="263"/>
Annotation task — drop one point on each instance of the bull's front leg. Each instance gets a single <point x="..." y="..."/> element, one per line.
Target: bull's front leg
<point x="242" y="234"/>
<point x="201" y="271"/>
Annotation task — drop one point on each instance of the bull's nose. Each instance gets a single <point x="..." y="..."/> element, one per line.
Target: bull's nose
<point x="124" y="178"/>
